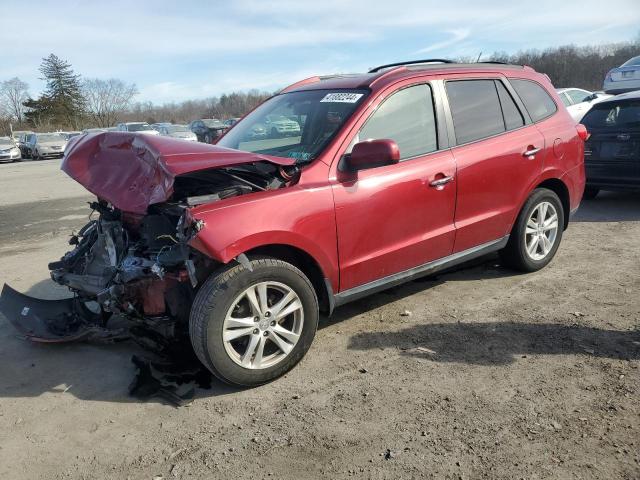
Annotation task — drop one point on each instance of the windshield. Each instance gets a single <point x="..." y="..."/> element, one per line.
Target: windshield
<point x="6" y="142"/>
<point x="50" y="137"/>
<point x="138" y="127"/>
<point x="634" y="62"/>
<point x="177" y="128"/>
<point x="624" y="114"/>
<point x="294" y="125"/>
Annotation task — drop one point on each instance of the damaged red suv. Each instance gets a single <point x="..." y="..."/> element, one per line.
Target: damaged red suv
<point x="336" y="188"/>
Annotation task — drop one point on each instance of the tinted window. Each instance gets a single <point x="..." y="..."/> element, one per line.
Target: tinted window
<point x="512" y="116"/>
<point x="620" y="115"/>
<point x="407" y="117"/>
<point x="536" y="100"/>
<point x="475" y="109"/>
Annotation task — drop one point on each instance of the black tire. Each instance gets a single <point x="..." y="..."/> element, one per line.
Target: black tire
<point x="216" y="297"/>
<point x="514" y="255"/>
<point x="207" y="138"/>
<point x="35" y="156"/>
<point x="590" y="193"/>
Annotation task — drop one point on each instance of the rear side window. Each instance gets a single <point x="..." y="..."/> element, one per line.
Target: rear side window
<point x="408" y="118"/>
<point x="578" y="96"/>
<point x="535" y="98"/>
<point x="475" y="108"/>
<point x="565" y="99"/>
<point x="512" y="116"/>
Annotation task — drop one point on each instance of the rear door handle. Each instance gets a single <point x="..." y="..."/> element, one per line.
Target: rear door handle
<point x="531" y="152"/>
<point x="441" y="182"/>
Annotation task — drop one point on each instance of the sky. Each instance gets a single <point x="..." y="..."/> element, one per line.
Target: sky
<point x="182" y="50"/>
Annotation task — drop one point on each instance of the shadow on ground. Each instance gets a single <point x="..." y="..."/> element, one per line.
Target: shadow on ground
<point x="610" y="207"/>
<point x="499" y="343"/>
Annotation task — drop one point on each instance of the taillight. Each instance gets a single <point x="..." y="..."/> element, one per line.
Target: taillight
<point x="583" y="133"/>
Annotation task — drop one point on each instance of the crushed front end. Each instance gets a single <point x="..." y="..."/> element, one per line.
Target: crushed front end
<point x="133" y="259"/>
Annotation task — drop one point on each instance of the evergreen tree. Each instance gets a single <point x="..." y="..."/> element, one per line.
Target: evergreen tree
<point x="62" y="102"/>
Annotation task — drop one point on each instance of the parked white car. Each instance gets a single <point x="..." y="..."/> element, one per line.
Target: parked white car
<point x="181" y="132"/>
<point x="579" y="101"/>
<point x="9" y="151"/>
<point x="625" y="78"/>
<point x="137" y="127"/>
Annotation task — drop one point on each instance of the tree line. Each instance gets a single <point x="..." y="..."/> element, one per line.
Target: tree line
<point x="70" y="102"/>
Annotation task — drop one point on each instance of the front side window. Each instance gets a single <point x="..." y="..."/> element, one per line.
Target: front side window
<point x="475" y="108"/>
<point x="406" y="117"/>
<point x="536" y="100"/>
<point x="294" y="125"/>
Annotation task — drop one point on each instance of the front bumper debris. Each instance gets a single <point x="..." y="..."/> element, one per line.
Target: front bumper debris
<point x="52" y="321"/>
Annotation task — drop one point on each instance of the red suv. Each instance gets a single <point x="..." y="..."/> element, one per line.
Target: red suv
<point x="388" y="176"/>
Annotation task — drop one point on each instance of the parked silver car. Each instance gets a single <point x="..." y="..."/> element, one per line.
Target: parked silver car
<point x="137" y="127"/>
<point x="9" y="151"/>
<point x="181" y="132"/>
<point x="46" y="145"/>
<point x="625" y="78"/>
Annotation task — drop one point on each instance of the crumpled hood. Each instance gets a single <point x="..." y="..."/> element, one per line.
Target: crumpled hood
<point x="132" y="171"/>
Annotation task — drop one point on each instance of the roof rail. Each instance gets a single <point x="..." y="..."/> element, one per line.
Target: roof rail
<point x="410" y="62"/>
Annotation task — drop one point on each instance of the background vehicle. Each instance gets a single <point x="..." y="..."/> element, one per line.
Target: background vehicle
<point x="16" y="134"/>
<point x="623" y="79"/>
<point x="46" y="145"/>
<point x="23" y="144"/>
<point x="181" y="132"/>
<point x="69" y="135"/>
<point x="395" y="174"/>
<point x="612" y="152"/>
<point x="281" y="126"/>
<point x="136" y="127"/>
<point x="231" y="122"/>
<point x="578" y="101"/>
<point x="9" y="151"/>
<point x="208" y="129"/>
<point x="94" y="130"/>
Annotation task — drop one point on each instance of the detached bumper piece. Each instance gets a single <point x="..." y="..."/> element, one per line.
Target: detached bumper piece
<point x="52" y="321"/>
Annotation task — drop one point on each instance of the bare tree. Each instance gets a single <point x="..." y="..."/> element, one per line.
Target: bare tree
<point x="106" y="100"/>
<point x="13" y="93"/>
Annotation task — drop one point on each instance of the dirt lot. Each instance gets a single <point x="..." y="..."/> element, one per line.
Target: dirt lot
<point x="493" y="375"/>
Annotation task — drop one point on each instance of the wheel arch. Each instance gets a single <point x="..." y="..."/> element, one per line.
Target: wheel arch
<point x="307" y="264"/>
<point x="559" y="188"/>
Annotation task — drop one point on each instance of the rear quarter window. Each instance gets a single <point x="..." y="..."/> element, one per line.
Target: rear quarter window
<point x="536" y="100"/>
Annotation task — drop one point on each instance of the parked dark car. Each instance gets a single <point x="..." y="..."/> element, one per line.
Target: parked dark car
<point x="235" y="249"/>
<point x="612" y="152"/>
<point x="207" y="129"/>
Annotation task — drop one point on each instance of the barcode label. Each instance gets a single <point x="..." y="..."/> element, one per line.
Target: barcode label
<point x="342" y="97"/>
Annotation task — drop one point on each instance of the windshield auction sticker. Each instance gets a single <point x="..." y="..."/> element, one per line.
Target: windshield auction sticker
<point x="342" y="97"/>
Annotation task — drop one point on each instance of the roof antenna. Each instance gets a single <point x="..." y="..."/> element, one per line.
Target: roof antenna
<point x="479" y="55"/>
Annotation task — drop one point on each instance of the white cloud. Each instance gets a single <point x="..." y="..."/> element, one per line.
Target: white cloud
<point x="457" y="36"/>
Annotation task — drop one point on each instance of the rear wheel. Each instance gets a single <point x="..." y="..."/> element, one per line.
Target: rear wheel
<point x="591" y="192"/>
<point x="537" y="233"/>
<point x="249" y="327"/>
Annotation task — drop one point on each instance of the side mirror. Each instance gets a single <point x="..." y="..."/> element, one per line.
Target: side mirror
<point x="373" y="153"/>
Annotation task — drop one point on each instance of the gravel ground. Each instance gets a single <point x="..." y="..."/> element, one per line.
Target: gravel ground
<point x="477" y="373"/>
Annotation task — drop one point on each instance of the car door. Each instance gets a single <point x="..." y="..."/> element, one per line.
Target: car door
<point x="498" y="152"/>
<point x="392" y="218"/>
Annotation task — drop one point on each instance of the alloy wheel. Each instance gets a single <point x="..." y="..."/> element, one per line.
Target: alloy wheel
<point x="263" y="325"/>
<point x="541" y="231"/>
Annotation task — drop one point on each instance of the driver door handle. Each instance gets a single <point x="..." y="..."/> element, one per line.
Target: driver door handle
<point x="441" y="182"/>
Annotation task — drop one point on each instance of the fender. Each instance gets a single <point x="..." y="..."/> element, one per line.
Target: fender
<point x="550" y="173"/>
<point x="301" y="217"/>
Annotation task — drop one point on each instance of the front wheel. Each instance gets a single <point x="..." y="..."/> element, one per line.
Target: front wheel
<point x="249" y="327"/>
<point x="34" y="155"/>
<point x="537" y="233"/>
<point x="207" y="138"/>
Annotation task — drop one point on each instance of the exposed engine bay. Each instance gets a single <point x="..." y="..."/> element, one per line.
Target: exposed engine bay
<point x="139" y="266"/>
